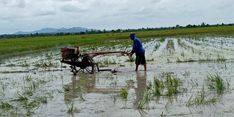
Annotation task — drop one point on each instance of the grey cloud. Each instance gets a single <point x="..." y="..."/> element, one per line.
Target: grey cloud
<point x="14" y="3"/>
<point x="70" y="8"/>
<point x="21" y="4"/>
<point x="45" y="13"/>
<point x="113" y="13"/>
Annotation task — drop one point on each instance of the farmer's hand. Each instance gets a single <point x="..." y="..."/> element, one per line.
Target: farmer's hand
<point x="130" y="54"/>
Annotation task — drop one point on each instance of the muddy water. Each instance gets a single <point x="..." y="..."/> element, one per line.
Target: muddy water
<point x="98" y="94"/>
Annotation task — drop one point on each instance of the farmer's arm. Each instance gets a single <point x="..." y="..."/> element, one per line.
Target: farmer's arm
<point x="134" y="47"/>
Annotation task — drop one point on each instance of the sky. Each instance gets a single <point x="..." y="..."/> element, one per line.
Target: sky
<point x="29" y="15"/>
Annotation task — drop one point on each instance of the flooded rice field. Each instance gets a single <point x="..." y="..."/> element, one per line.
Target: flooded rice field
<point x="185" y="77"/>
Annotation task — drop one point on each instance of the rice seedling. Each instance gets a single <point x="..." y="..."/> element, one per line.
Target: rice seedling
<point x="162" y="39"/>
<point x="167" y="87"/>
<point x="26" y="100"/>
<point x="130" y="83"/>
<point x="5" y="106"/>
<point x="42" y="99"/>
<point x="31" y="85"/>
<point x="162" y="114"/>
<point x="3" y="87"/>
<point x="28" y="78"/>
<point x="71" y="109"/>
<point x="124" y="93"/>
<point x="24" y="64"/>
<point x="170" y="45"/>
<point x="215" y="82"/>
<point x="145" y="99"/>
<point x="49" y="56"/>
<point x="21" y="98"/>
<point x="178" y="60"/>
<point x="220" y="59"/>
<point x="158" y="87"/>
<point x="201" y="99"/>
<point x="45" y="65"/>
<point x="182" y="54"/>
<point x="172" y="85"/>
<point x="186" y="74"/>
<point x="157" y="45"/>
<point x="10" y="65"/>
<point x="66" y="88"/>
<point x="28" y="104"/>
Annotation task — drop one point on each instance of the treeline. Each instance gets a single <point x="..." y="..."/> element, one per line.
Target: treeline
<point x="92" y="31"/>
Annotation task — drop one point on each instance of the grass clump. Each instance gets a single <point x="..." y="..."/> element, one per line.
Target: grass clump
<point x="162" y="39"/>
<point x="124" y="93"/>
<point x="215" y="82"/>
<point x="5" y="106"/>
<point x="170" y="45"/>
<point x="145" y="99"/>
<point x="167" y="86"/>
<point x="201" y="99"/>
<point x="172" y="85"/>
<point x="71" y="109"/>
<point x="220" y="59"/>
<point x="158" y="87"/>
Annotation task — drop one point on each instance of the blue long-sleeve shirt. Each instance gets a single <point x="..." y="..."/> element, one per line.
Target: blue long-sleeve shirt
<point x="137" y="47"/>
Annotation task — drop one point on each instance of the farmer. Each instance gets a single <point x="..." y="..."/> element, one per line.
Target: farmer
<point x="138" y="49"/>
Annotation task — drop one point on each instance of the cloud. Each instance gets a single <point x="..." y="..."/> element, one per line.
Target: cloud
<point x="71" y="8"/>
<point x="14" y="3"/>
<point x="112" y="13"/>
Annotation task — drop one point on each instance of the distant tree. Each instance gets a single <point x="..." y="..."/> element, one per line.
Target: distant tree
<point x="203" y="24"/>
<point x="177" y="26"/>
<point x="118" y="30"/>
<point x="189" y="26"/>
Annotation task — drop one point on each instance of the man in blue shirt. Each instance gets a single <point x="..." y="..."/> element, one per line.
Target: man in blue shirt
<point x="138" y="49"/>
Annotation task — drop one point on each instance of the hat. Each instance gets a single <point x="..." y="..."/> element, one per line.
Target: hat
<point x="132" y="35"/>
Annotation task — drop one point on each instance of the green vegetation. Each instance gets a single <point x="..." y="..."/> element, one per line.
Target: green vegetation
<point x="170" y="45"/>
<point x="5" y="106"/>
<point x="145" y="99"/>
<point x="26" y="100"/>
<point x="215" y="82"/>
<point x="201" y="98"/>
<point x="16" y="46"/>
<point x="172" y="85"/>
<point x="158" y="87"/>
<point x="168" y="85"/>
<point x="220" y="59"/>
<point x="162" y="39"/>
<point x="124" y="93"/>
<point x="71" y="109"/>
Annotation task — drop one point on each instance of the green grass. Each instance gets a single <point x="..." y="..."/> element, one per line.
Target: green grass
<point x="215" y="82"/>
<point x="17" y="46"/>
<point x="158" y="87"/>
<point x="71" y="109"/>
<point x="5" y="106"/>
<point x="220" y="59"/>
<point x="123" y="93"/>
<point x="201" y="98"/>
<point x="145" y="99"/>
<point x="168" y="85"/>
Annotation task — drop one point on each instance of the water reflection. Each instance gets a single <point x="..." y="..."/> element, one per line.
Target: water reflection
<point x="92" y="83"/>
<point x="79" y="85"/>
<point x="140" y="88"/>
<point x="89" y="83"/>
